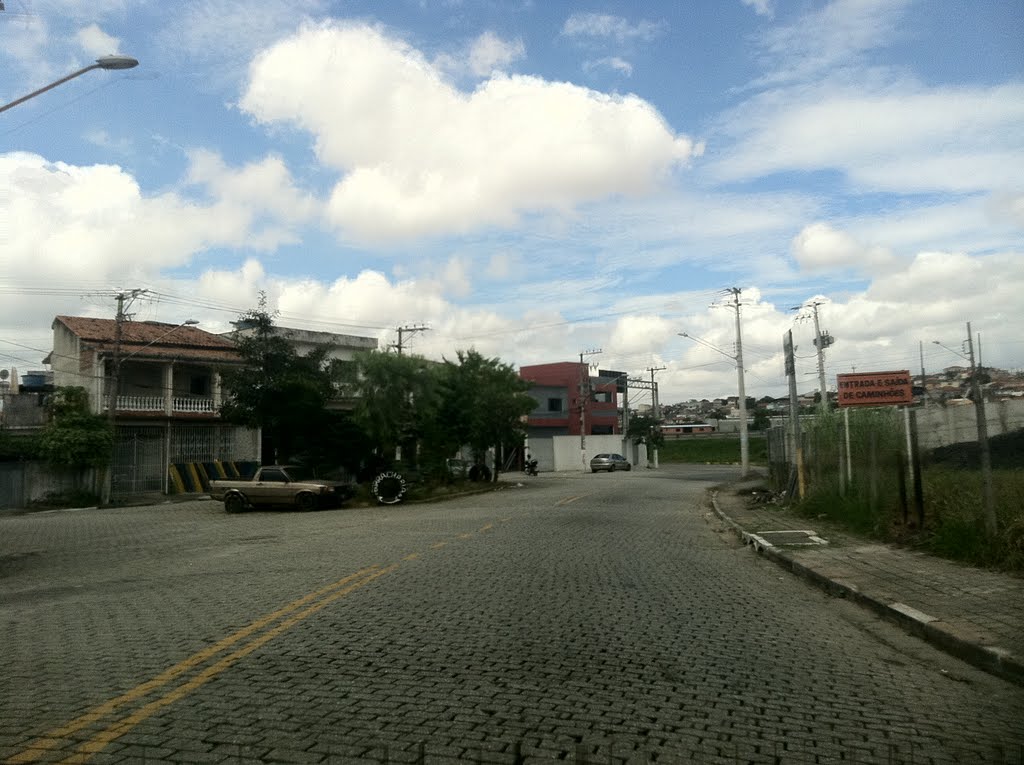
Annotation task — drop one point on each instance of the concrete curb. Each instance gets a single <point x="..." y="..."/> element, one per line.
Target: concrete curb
<point x="983" y="657"/>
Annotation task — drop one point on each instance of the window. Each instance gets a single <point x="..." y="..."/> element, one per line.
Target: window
<point x="603" y="397"/>
<point x="554" y="405"/>
<point x="274" y="476"/>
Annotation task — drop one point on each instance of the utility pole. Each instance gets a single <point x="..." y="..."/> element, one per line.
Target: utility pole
<point x="744" y="443"/>
<point x="820" y="344"/>
<point x="822" y="340"/>
<point x="584" y="399"/>
<point x="924" y="383"/>
<point x="656" y="407"/>
<point x="655" y="404"/>
<point x="407" y="330"/>
<point x="988" y="496"/>
<point x="115" y="381"/>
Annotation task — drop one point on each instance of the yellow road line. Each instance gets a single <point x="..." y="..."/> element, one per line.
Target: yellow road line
<point x="51" y="739"/>
<point x="114" y="731"/>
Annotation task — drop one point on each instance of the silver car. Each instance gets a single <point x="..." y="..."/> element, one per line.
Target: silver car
<point x="609" y="462"/>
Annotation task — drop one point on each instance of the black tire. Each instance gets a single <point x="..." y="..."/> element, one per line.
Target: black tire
<point x="234" y="503"/>
<point x="306" y="502"/>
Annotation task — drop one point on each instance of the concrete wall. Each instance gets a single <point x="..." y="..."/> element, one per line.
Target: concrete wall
<point x="957" y="423"/>
<point x="567" y="457"/>
<point x="24" y="482"/>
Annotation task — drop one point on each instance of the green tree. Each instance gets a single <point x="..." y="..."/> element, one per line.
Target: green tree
<point x="74" y="436"/>
<point x="277" y="390"/>
<point x="396" y="397"/>
<point x="644" y="429"/>
<point x="483" y="402"/>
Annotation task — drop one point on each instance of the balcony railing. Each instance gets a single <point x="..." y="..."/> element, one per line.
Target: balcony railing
<point x="157" y="404"/>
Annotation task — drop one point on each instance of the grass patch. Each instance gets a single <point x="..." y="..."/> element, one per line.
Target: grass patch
<point x="715" y="451"/>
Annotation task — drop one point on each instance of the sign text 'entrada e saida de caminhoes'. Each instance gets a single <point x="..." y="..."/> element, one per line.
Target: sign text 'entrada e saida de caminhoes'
<point x="875" y="388"/>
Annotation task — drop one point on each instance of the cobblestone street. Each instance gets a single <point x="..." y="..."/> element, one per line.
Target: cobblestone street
<point x="590" y="618"/>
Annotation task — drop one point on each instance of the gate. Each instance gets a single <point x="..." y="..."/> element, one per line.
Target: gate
<point x="140" y="460"/>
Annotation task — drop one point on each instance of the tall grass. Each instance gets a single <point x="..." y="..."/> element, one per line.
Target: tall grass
<point x="872" y="502"/>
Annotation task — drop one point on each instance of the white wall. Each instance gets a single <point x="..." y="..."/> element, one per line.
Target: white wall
<point x="567" y="457"/>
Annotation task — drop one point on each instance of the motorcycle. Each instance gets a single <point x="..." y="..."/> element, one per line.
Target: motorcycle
<point x="530" y="468"/>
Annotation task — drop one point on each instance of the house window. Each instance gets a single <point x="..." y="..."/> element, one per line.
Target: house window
<point x="603" y="397"/>
<point x="554" y="405"/>
<point x="199" y="385"/>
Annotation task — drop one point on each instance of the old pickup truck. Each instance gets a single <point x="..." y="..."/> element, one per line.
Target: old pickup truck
<point x="291" y="485"/>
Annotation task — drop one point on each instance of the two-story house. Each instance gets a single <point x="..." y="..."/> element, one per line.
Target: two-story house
<point x="163" y="381"/>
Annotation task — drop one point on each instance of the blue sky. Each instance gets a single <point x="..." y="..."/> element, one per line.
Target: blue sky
<point x="532" y="179"/>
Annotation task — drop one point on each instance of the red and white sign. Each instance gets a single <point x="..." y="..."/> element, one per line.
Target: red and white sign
<point x="875" y="388"/>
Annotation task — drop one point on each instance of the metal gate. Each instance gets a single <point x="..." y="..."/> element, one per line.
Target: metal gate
<point x="140" y="460"/>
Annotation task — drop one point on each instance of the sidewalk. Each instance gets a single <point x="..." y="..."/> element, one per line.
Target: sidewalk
<point x="974" y="614"/>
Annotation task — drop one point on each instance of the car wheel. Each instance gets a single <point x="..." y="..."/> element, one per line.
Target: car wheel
<point x="306" y="502"/>
<point x="234" y="503"/>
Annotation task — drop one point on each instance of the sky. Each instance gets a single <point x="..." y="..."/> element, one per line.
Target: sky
<point x="533" y="180"/>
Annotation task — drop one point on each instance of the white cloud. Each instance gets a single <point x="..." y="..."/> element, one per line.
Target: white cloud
<point x="25" y="45"/>
<point x="904" y="138"/>
<point x="606" y="26"/>
<point x="264" y="187"/>
<point x="219" y="37"/>
<point x="614" y="63"/>
<point x="761" y="7"/>
<point x="640" y="334"/>
<point x="1007" y="207"/>
<point x="831" y="36"/>
<point x="104" y="140"/>
<point x="432" y="159"/>
<point x="94" y="222"/>
<point x="821" y="247"/>
<point x="95" y="42"/>
<point x="489" y="52"/>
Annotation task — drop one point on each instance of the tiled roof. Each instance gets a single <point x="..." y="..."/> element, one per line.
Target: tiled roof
<point x="157" y="338"/>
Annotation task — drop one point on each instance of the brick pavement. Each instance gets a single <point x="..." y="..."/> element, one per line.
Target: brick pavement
<point x="592" y="619"/>
<point x="973" y="613"/>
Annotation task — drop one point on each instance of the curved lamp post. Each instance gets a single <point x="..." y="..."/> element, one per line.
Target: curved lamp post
<point x="104" y="62"/>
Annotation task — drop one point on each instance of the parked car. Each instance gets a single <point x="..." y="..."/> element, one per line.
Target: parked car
<point x="291" y="485"/>
<point x="609" y="462"/>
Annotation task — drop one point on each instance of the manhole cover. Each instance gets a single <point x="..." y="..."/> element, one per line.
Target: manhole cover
<point x="788" y="538"/>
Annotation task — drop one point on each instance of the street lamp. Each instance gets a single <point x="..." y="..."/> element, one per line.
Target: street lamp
<point x="104" y="62"/>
